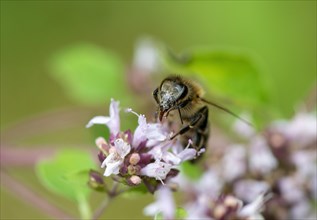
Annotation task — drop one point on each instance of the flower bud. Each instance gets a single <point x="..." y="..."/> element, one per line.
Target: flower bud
<point x="132" y="170"/>
<point x="136" y="180"/>
<point x="102" y="145"/>
<point x="135" y="158"/>
<point x="219" y="211"/>
<point x="231" y="202"/>
<point x="96" y="181"/>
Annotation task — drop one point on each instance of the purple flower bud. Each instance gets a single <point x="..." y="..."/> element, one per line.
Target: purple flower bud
<point x="101" y="156"/>
<point x="96" y="181"/>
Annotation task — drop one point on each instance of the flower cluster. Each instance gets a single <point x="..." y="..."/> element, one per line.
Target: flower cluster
<point x="148" y="155"/>
<point x="276" y="168"/>
<point x="282" y="159"/>
<point x="204" y="205"/>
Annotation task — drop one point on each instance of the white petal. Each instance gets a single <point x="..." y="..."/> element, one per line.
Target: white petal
<point x="155" y="132"/>
<point x="171" y="158"/>
<point x="210" y="184"/>
<point x="156" y="152"/>
<point x="151" y="209"/>
<point x="114" y="123"/>
<point x="254" y="208"/>
<point x="112" y="168"/>
<point x="159" y="170"/>
<point x="261" y="158"/>
<point x="187" y="154"/>
<point x="235" y="157"/>
<point x="139" y="134"/>
<point x="249" y="189"/>
<point x="142" y="121"/>
<point x="122" y="147"/>
<point x="114" y="108"/>
<point x="166" y="202"/>
<point x="103" y="120"/>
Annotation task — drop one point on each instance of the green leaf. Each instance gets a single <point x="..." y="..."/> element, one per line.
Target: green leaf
<point x="89" y="74"/>
<point x="192" y="171"/>
<point x="67" y="173"/>
<point x="135" y="191"/>
<point x="180" y="213"/>
<point x="158" y="216"/>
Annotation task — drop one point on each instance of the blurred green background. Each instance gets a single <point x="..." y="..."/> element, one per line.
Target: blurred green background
<point x="280" y="34"/>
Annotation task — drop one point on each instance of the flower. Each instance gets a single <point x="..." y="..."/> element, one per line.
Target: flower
<point x="164" y="204"/>
<point x="249" y="189"/>
<point x="177" y="153"/>
<point x="153" y="133"/>
<point x="112" y="121"/>
<point x="252" y="210"/>
<point x="147" y="156"/>
<point x="234" y="157"/>
<point x="115" y="159"/>
<point x="261" y="158"/>
<point x="158" y="170"/>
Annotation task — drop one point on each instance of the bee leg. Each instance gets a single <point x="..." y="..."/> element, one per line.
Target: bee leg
<point x="155" y="95"/>
<point x="180" y="115"/>
<point x="199" y="116"/>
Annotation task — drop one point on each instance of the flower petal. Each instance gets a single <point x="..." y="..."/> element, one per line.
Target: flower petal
<point x="103" y="120"/>
<point x="113" y="168"/>
<point x="139" y="134"/>
<point x="171" y="158"/>
<point x="164" y="204"/>
<point x="187" y="154"/>
<point x="114" y="123"/>
<point x="122" y="147"/>
<point x="254" y="208"/>
<point x="158" y="169"/>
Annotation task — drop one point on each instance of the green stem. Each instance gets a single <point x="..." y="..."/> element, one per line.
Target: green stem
<point x="103" y="206"/>
<point x="83" y="206"/>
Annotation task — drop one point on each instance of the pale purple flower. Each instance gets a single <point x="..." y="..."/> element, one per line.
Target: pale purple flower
<point x="291" y="189"/>
<point x="146" y="55"/>
<point x="153" y="133"/>
<point x="164" y="204"/>
<point x="250" y="189"/>
<point x="158" y="170"/>
<point x="301" y="210"/>
<point x="116" y="157"/>
<point x="198" y="209"/>
<point x="302" y="129"/>
<point x="234" y="163"/>
<point x="244" y="129"/>
<point x="178" y="153"/>
<point x="210" y="184"/>
<point x="112" y="121"/>
<point x="261" y="159"/>
<point x="252" y="210"/>
<point x="305" y="162"/>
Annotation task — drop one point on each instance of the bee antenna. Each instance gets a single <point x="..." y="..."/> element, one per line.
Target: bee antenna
<point x="226" y="110"/>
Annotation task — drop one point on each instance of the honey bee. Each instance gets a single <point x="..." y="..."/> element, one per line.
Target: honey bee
<point x="176" y="93"/>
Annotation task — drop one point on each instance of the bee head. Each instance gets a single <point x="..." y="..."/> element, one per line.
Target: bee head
<point x="170" y="93"/>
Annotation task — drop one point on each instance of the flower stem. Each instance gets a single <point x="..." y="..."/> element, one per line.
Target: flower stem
<point x="83" y="206"/>
<point x="103" y="206"/>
